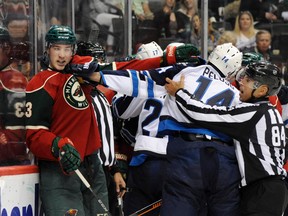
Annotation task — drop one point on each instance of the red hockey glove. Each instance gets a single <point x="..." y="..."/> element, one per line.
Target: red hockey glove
<point x="183" y="53"/>
<point x="64" y="150"/>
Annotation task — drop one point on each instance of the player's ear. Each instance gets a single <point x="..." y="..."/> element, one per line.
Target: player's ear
<point x="262" y="91"/>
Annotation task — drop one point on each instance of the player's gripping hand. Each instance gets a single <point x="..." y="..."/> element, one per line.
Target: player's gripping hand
<point x="180" y="53"/>
<point x="64" y="150"/>
<point x="122" y="164"/>
<point x="83" y="70"/>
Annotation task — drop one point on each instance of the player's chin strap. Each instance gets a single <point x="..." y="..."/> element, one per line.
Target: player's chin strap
<point x="44" y="63"/>
<point x="253" y="99"/>
<point x="69" y="69"/>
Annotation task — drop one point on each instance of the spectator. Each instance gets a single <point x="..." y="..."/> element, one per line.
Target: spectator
<point x="105" y="18"/>
<point x="263" y="45"/>
<point x="196" y="31"/>
<point x="227" y="37"/>
<point x="142" y="10"/>
<point x="145" y="31"/>
<point x="97" y="16"/>
<point x="12" y="7"/>
<point x="12" y="102"/>
<point x="268" y="11"/>
<point x="216" y="7"/>
<point x="263" y="11"/>
<point x="62" y="131"/>
<point x="252" y="6"/>
<point x="188" y="8"/>
<point x="20" y="54"/>
<point x="17" y="25"/>
<point x="245" y="31"/>
<point x="165" y="20"/>
<point x="56" y="12"/>
<point x="213" y="35"/>
<point x="230" y="11"/>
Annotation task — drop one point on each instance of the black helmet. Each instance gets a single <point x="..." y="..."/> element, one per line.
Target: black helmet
<point x="60" y="34"/>
<point x="4" y="35"/>
<point x="91" y="49"/>
<point x="265" y="73"/>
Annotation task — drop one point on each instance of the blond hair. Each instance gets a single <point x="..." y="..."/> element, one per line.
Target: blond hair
<point x="251" y="31"/>
<point x="227" y="37"/>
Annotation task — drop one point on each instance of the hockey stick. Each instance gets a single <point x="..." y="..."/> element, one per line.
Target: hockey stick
<point x="86" y="183"/>
<point x="147" y="209"/>
<point x="120" y="206"/>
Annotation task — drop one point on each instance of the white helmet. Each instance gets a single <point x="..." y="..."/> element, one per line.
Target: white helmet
<point x="149" y="50"/>
<point x="227" y="58"/>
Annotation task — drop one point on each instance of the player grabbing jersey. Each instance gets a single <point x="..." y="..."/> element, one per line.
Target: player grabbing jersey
<point x="258" y="132"/>
<point x="196" y="155"/>
<point x="62" y="131"/>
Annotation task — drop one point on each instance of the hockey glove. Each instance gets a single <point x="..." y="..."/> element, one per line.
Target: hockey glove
<point x="82" y="70"/>
<point x="183" y="53"/>
<point x="64" y="150"/>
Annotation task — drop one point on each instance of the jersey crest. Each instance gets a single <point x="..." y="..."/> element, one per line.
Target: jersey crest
<point x="74" y="95"/>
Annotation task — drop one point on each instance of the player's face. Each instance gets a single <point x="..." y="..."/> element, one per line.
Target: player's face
<point x="247" y="85"/>
<point x="60" y="55"/>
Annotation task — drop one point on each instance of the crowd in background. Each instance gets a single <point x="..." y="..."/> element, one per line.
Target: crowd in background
<point x="180" y="20"/>
<point x="237" y="22"/>
<point x="162" y="21"/>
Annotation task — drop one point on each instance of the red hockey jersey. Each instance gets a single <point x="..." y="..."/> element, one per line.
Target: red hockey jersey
<point x="58" y="105"/>
<point x="12" y="117"/>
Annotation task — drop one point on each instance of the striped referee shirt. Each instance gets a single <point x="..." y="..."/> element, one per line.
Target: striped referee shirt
<point x="105" y="123"/>
<point x="257" y="129"/>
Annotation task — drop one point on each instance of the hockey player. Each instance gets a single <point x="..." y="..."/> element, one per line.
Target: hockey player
<point x="212" y="159"/>
<point x="258" y="132"/>
<point x="153" y="52"/>
<point x="12" y="107"/>
<point x="145" y="176"/>
<point x="62" y="132"/>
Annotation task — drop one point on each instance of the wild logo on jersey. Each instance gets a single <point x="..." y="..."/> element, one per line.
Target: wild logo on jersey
<point x="74" y="94"/>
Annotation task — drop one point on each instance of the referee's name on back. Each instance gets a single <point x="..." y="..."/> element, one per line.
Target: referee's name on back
<point x="211" y="75"/>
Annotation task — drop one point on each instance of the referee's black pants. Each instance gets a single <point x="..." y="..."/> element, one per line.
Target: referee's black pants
<point x="265" y="197"/>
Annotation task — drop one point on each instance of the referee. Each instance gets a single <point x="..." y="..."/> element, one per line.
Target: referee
<point x="258" y="132"/>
